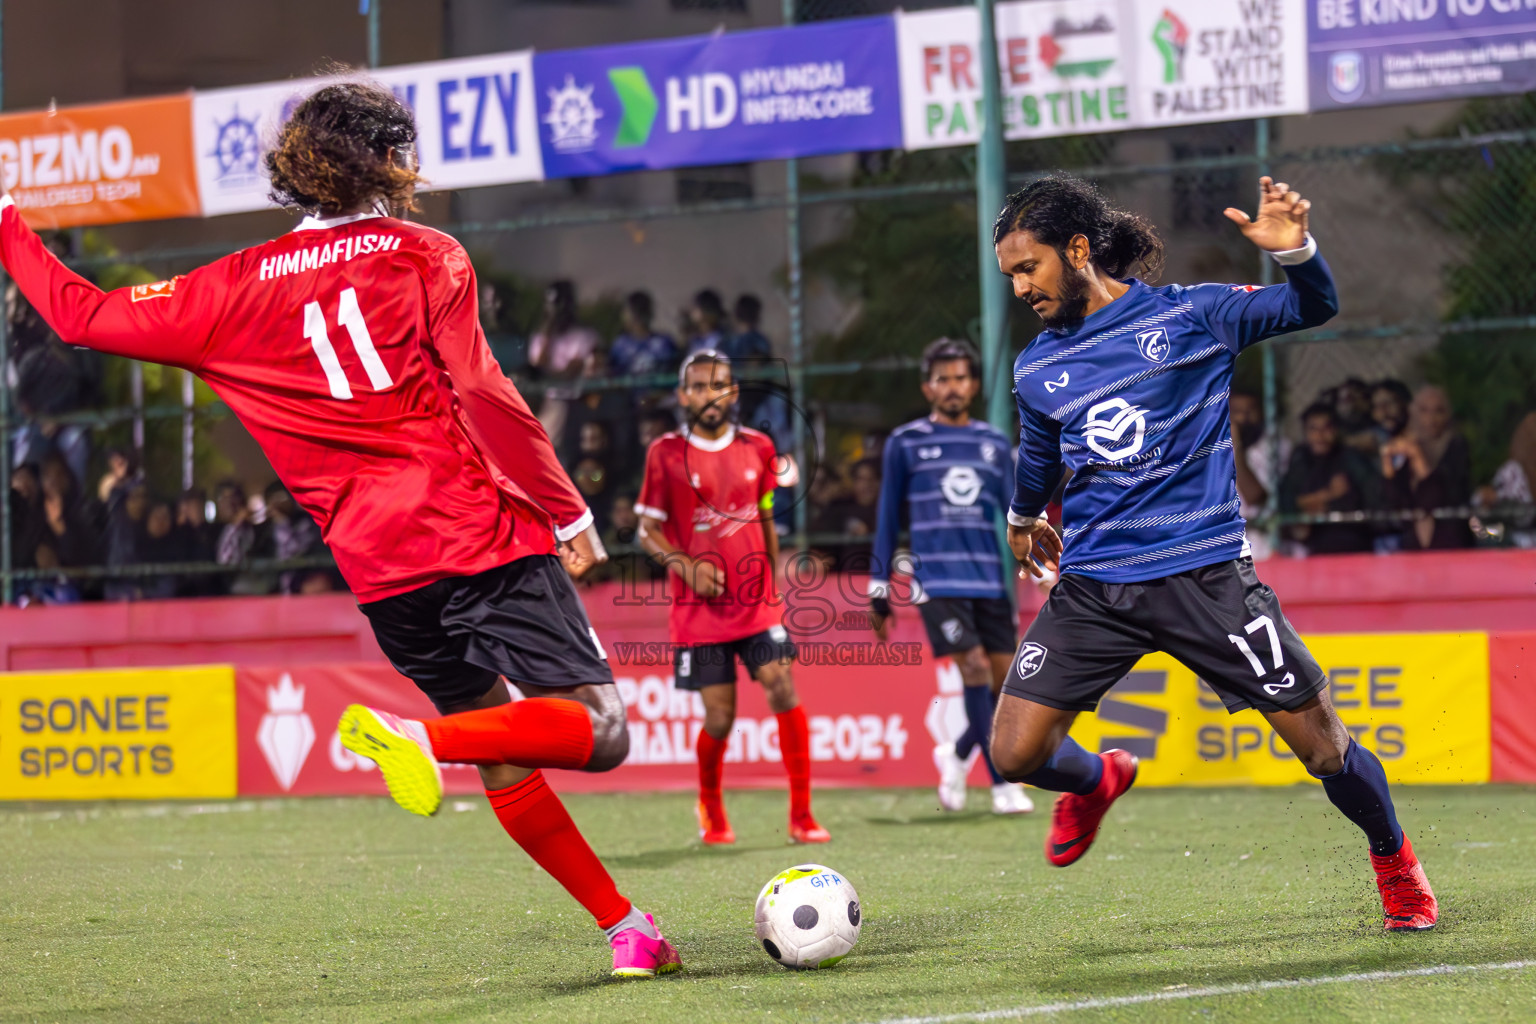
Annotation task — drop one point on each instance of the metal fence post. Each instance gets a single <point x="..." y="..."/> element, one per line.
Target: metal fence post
<point x="991" y="188"/>
<point x="5" y="458"/>
<point x="371" y="9"/>
<point x="1271" y="384"/>
<point x="795" y="283"/>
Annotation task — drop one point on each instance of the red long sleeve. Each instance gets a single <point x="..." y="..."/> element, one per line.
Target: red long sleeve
<point x="503" y="426"/>
<point x="169" y="322"/>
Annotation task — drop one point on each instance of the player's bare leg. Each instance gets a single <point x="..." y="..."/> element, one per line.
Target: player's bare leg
<point x="778" y="682"/>
<point x="1357" y="785"/>
<point x="581" y="727"/>
<point x="1030" y="744"/>
<point x="709" y="749"/>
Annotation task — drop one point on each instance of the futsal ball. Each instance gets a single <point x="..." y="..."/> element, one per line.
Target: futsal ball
<point x="808" y="917"/>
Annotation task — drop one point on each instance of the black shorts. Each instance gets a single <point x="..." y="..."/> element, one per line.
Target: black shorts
<point x="960" y="623"/>
<point x="522" y="620"/>
<point x="1218" y="620"/>
<point x="694" y="668"/>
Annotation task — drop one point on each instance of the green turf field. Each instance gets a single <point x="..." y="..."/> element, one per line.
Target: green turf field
<point x="351" y="910"/>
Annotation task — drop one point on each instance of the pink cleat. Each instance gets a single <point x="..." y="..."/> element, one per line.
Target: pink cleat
<point x="637" y="955"/>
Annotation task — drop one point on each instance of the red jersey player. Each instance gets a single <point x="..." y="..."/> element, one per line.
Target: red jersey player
<point x="351" y="350"/>
<point x="706" y="513"/>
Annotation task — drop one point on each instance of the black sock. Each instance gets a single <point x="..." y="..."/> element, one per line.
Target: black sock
<point x="1359" y="789"/>
<point x="979" y="705"/>
<point x="1070" y="770"/>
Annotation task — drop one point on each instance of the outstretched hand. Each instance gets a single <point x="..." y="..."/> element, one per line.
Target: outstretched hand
<point x="1036" y="547"/>
<point x="1281" y="222"/>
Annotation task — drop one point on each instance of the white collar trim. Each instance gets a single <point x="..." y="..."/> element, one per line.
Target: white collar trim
<point x="313" y="223"/>
<point x="719" y="444"/>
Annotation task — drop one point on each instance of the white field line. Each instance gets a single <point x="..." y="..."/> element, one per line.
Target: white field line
<point x="1244" y="988"/>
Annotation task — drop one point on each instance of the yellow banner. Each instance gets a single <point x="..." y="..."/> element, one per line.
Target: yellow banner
<point x="1418" y="701"/>
<point x="166" y="732"/>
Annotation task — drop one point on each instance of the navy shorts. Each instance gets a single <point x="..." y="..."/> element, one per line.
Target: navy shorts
<point x="1218" y="620"/>
<point x="522" y="620"/>
<point x="960" y="623"/>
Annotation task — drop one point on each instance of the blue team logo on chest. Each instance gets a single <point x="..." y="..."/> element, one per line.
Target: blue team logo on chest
<point x="1154" y="344"/>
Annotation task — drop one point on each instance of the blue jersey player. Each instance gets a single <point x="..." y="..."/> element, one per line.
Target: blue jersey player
<point x="1127" y="388"/>
<point x="952" y="475"/>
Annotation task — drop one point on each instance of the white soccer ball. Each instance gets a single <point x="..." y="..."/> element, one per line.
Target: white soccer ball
<point x="808" y="917"/>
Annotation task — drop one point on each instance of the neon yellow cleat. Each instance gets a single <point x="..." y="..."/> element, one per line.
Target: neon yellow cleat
<point x="402" y="751"/>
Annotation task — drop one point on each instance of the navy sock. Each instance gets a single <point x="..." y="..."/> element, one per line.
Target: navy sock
<point x="979" y="705"/>
<point x="1070" y="770"/>
<point x="1359" y="789"/>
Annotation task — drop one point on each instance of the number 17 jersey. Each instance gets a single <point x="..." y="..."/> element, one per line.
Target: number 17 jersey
<point x="351" y="350"/>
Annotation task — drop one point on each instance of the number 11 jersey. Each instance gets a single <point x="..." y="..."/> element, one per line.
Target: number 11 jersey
<point x="351" y="349"/>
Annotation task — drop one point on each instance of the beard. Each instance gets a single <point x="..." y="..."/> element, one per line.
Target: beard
<point x="1071" y="298"/>
<point x="709" y="416"/>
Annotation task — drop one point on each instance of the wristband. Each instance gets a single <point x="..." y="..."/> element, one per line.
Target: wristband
<point x="1023" y="522"/>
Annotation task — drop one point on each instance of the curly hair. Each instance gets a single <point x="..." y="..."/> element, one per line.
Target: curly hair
<point x="1057" y="208"/>
<point x="348" y="145"/>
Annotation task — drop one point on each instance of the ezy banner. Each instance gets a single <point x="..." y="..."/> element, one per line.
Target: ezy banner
<point x="474" y="126"/>
<point x="730" y="98"/>
<point x="1376" y="52"/>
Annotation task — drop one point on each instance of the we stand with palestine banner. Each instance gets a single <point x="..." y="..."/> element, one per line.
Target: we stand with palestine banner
<point x="902" y="81"/>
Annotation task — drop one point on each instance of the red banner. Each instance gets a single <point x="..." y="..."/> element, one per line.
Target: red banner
<point x="1512" y="697"/>
<point x="876" y="726"/>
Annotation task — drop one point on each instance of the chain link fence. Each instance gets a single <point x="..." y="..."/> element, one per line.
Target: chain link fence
<point x="1423" y="213"/>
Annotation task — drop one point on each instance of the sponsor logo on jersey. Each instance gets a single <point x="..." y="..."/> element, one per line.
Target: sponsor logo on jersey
<point x="1052" y="386"/>
<point x="1031" y="659"/>
<point x="951" y="629"/>
<point x="1247" y="287"/>
<point x="685" y="663"/>
<point x="158" y="290"/>
<point x="930" y="453"/>
<point x="1115" y="428"/>
<point x="961" y="485"/>
<point x="988" y="451"/>
<point x="1154" y="344"/>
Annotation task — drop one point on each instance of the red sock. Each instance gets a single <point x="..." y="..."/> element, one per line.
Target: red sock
<point x="711" y="755"/>
<point x="538" y="822"/>
<point x="544" y="732"/>
<point x="795" y="746"/>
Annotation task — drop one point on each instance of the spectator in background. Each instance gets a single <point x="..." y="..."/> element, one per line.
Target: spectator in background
<point x="198" y="540"/>
<point x="498" y="321"/>
<point x="1512" y="485"/>
<point x="159" y="544"/>
<point x="1429" y="467"/>
<point x="707" y="317"/>
<point x="559" y="351"/>
<point x="69" y="535"/>
<point x="854" y="516"/>
<point x="49" y="380"/>
<point x="1389" y="410"/>
<point x="27" y="520"/>
<point x="1325" y="475"/>
<point x="127" y="508"/>
<point x="293" y="534"/>
<point x="609" y="409"/>
<point x="55" y="590"/>
<point x="1352" y="404"/>
<point x="640" y="350"/>
<point x="121" y="473"/>
<point x="239" y="538"/>
<point x="1257" y="467"/>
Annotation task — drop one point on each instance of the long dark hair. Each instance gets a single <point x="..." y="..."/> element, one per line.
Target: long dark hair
<point x="351" y="144"/>
<point x="1056" y="208"/>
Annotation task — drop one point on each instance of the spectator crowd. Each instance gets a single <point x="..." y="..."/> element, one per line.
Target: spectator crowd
<point x="1375" y="466"/>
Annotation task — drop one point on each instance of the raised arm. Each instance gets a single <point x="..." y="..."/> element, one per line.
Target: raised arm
<point x="500" y="421"/>
<point x="1240" y="315"/>
<point x="169" y="322"/>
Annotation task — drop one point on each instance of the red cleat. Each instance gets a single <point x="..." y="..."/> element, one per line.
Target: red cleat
<point x="807" y="831"/>
<point x="1406" y="898"/>
<point x="714" y="829"/>
<point x="1075" y="819"/>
